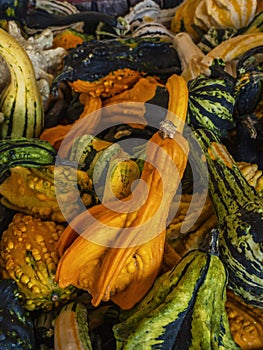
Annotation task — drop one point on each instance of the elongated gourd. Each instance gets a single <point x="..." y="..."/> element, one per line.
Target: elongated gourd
<point x="20" y="102"/>
<point x="239" y="210"/>
<point x="124" y="266"/>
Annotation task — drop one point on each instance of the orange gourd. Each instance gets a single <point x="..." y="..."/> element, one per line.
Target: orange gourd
<point x="116" y="252"/>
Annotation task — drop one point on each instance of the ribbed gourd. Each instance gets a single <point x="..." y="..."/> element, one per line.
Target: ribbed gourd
<point x="239" y="210"/>
<point x="224" y="14"/>
<point x="28" y="257"/>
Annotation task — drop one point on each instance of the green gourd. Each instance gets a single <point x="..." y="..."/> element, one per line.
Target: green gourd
<point x="239" y="210"/>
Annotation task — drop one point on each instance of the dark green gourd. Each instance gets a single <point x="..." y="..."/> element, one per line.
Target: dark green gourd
<point x="16" y="325"/>
<point x="26" y="152"/>
<point x="212" y="101"/>
<point x="239" y="211"/>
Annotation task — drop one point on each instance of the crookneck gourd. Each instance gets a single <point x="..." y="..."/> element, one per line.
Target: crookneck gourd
<point x="124" y="265"/>
<point x="28" y="257"/>
<point x="239" y="210"/>
<point x="185" y="309"/>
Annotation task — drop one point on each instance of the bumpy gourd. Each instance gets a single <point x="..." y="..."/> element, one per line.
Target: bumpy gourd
<point x="127" y="60"/>
<point x="28" y="257"/>
<point x="126" y="271"/>
<point x="33" y="191"/>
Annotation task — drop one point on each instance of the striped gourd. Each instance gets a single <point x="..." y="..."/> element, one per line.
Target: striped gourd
<point x="185" y="309"/>
<point x="20" y="102"/>
<point x="239" y="212"/>
<point x="22" y="151"/>
<point x="211" y="103"/>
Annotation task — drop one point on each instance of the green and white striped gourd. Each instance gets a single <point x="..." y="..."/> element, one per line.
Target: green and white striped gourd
<point x="211" y="101"/>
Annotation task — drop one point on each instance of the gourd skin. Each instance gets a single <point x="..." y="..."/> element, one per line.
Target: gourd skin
<point x="126" y="61"/>
<point x="32" y="191"/>
<point x="17" y="330"/>
<point x="28" y="257"/>
<point x="185" y="309"/>
<point x="123" y="274"/>
<point x="20" y="102"/>
<point x="239" y="211"/>
<point x="23" y="151"/>
<point x="211" y="103"/>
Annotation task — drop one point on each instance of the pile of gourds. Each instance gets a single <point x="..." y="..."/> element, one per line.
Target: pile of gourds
<point x="152" y="246"/>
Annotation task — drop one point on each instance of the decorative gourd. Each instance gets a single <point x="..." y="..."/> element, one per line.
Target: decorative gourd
<point x="17" y="329"/>
<point x="188" y="228"/>
<point x="246" y="322"/>
<point x="125" y="268"/>
<point x="127" y="60"/>
<point x="25" y="152"/>
<point x="224" y="14"/>
<point x="71" y="329"/>
<point x="195" y="17"/>
<point x="249" y="81"/>
<point x="28" y="257"/>
<point x="185" y="309"/>
<point x="20" y="102"/>
<point x="194" y="62"/>
<point x="69" y="39"/>
<point x="184" y="18"/>
<point x="235" y="47"/>
<point x="33" y="191"/>
<point x="212" y="101"/>
<point x="239" y="211"/>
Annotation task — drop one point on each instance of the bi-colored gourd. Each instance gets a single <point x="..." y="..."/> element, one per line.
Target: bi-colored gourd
<point x="126" y="266"/>
<point x="212" y="101"/>
<point x="27" y="152"/>
<point x="127" y="60"/>
<point x="20" y="102"/>
<point x="239" y="210"/>
<point x="71" y="328"/>
<point x="185" y="309"/>
<point x="28" y="257"/>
